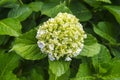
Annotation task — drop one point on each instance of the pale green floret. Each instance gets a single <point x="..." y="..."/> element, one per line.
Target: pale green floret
<point x="62" y="36"/>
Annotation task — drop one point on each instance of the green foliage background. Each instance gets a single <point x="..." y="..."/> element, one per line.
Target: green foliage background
<point x="21" y="59"/>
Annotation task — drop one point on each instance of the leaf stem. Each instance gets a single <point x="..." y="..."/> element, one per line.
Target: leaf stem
<point x="55" y="77"/>
<point x="20" y="1"/>
<point x="67" y="2"/>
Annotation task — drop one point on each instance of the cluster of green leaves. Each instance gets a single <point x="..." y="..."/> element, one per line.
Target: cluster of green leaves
<point x="21" y="59"/>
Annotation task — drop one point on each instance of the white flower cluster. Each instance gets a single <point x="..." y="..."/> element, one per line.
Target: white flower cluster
<point x="62" y="36"/>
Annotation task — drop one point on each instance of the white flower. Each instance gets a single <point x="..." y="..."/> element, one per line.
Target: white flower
<point x="70" y="51"/>
<point x="51" y="57"/>
<point x="85" y="36"/>
<point x="78" y="51"/>
<point x="41" y="44"/>
<point x="74" y="45"/>
<point x="82" y="45"/>
<point x="61" y="36"/>
<point x="39" y="33"/>
<point x="76" y="36"/>
<point x="51" y="46"/>
<point x="51" y="20"/>
<point x="68" y="59"/>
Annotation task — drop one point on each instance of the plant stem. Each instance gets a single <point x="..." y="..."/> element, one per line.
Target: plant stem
<point x="68" y="2"/>
<point x="20" y="1"/>
<point x="55" y="77"/>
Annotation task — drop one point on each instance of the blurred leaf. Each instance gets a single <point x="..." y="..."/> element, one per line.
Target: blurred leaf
<point x="52" y="10"/>
<point x="80" y="10"/>
<point x="115" y="10"/>
<point x="107" y="31"/>
<point x="58" y="68"/>
<point x="115" y="51"/>
<point x="3" y="39"/>
<point x="36" y="6"/>
<point x="21" y="13"/>
<point x="115" y="66"/>
<point x="8" y="62"/>
<point x="4" y="2"/>
<point x="101" y="61"/>
<point x="64" y="76"/>
<point x="12" y="5"/>
<point x="90" y="50"/>
<point x="106" y="1"/>
<point x="28" y="25"/>
<point x="114" y="72"/>
<point x="36" y="74"/>
<point x="22" y="78"/>
<point x="116" y="2"/>
<point x="56" y="1"/>
<point x="3" y="12"/>
<point x="51" y="75"/>
<point x="103" y="56"/>
<point x="10" y="26"/>
<point x="91" y="47"/>
<point x="33" y="72"/>
<point x="8" y="76"/>
<point x="2" y="51"/>
<point x="26" y="46"/>
<point x="84" y="73"/>
<point x="93" y="3"/>
<point x="96" y="3"/>
<point x="111" y="77"/>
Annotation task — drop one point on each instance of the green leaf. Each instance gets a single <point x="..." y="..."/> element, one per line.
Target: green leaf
<point x="56" y="1"/>
<point x="36" y="74"/>
<point x="93" y="3"/>
<point x="105" y="1"/>
<point x="64" y="76"/>
<point x="32" y="72"/>
<point x="91" y="47"/>
<point x="103" y="56"/>
<point x="10" y="26"/>
<point x="28" y="25"/>
<point x="3" y="2"/>
<point x="115" y="10"/>
<point x="52" y="10"/>
<point x="101" y="61"/>
<point x="3" y="39"/>
<point x="22" y="78"/>
<point x="90" y="50"/>
<point x="115" y="67"/>
<point x="36" y="6"/>
<point x="21" y="13"/>
<point x="51" y="75"/>
<point x="8" y="62"/>
<point x="114" y="72"/>
<point x="3" y="12"/>
<point x="26" y="46"/>
<point x="107" y="31"/>
<point x="2" y="51"/>
<point x="8" y="76"/>
<point x="84" y="73"/>
<point x="96" y="3"/>
<point x="115" y="51"/>
<point x="80" y="11"/>
<point x="58" y="68"/>
<point x="111" y="77"/>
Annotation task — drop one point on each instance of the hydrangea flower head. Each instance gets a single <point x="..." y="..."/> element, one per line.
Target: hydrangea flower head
<point x="62" y="36"/>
